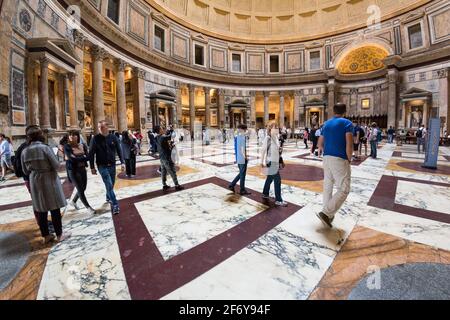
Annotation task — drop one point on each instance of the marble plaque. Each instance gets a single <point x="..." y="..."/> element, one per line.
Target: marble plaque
<point x="218" y="58"/>
<point x="180" y="46"/>
<point x="137" y="24"/>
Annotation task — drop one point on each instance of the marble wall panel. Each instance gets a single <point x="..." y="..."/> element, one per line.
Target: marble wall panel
<point x="218" y="58"/>
<point x="180" y="46"/>
<point x="255" y="62"/>
<point x="137" y="24"/>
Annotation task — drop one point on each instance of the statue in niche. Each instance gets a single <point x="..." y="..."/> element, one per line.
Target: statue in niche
<point x="416" y="117"/>
<point x="162" y="119"/>
<point x="314" y="119"/>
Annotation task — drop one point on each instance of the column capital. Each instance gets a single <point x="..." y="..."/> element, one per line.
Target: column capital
<point x="252" y="94"/>
<point x="191" y="87"/>
<point x="282" y="95"/>
<point x="220" y="92"/>
<point x="297" y="93"/>
<point x="44" y="62"/>
<point x="207" y="90"/>
<point x="120" y="65"/>
<point x="139" y="73"/>
<point x="98" y="53"/>
<point x="266" y="94"/>
<point x="79" y="38"/>
<point x="69" y="76"/>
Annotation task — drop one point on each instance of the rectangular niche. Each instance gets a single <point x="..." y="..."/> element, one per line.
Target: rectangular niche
<point x="137" y="24"/>
<point x="255" y="62"/>
<point x="294" y="61"/>
<point x="180" y="45"/>
<point x="283" y="24"/>
<point x="218" y="58"/>
<point x="440" y="25"/>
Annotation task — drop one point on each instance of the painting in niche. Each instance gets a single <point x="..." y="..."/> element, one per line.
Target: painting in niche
<point x="87" y="82"/>
<point x="130" y="115"/>
<point x="416" y="116"/>
<point x="108" y="86"/>
<point x="365" y="104"/>
<point x="314" y="118"/>
<point x="88" y="119"/>
<point x="109" y="114"/>
<point x="213" y="118"/>
<point x="127" y="87"/>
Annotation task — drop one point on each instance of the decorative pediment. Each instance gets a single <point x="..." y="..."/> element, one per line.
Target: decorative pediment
<point x="415" y="91"/>
<point x="313" y="45"/>
<point x="236" y="47"/>
<point x="387" y="36"/>
<point x="413" y="16"/>
<point x="274" y="49"/>
<point x="160" y="18"/>
<point x="199" y="37"/>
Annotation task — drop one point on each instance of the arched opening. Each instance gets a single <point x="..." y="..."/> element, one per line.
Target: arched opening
<point x="365" y="59"/>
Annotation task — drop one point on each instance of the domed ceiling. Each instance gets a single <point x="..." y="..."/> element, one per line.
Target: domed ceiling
<point x="279" y="21"/>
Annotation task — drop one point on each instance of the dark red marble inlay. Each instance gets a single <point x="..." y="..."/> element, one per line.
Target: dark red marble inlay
<point x="384" y="198"/>
<point x="301" y="172"/>
<point x="144" y="172"/>
<point x="149" y="276"/>
<point x="416" y="166"/>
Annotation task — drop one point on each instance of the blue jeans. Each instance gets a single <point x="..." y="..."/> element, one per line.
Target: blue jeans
<point x="373" y="149"/>
<point x="276" y="178"/>
<point x="390" y="138"/>
<point x="241" y="177"/>
<point x="109" y="178"/>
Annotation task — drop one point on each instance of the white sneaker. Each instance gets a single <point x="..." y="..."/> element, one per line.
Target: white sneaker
<point x="74" y="204"/>
<point x="91" y="211"/>
<point x="281" y="204"/>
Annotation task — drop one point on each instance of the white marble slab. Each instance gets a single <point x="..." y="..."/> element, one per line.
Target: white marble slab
<point x="278" y="266"/>
<point x="182" y="220"/>
<point x="423" y="196"/>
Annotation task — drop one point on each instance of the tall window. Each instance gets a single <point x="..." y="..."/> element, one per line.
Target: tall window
<point x="274" y="63"/>
<point x="159" y="39"/>
<point x="113" y="10"/>
<point x="314" y="60"/>
<point x="199" y="55"/>
<point x="236" y="62"/>
<point x="415" y="36"/>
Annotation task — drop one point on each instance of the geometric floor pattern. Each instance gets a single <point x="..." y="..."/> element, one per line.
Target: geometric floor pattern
<point x="208" y="243"/>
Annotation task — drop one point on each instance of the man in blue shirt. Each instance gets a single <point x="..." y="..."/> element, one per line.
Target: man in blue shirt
<point x="241" y="159"/>
<point x="336" y="141"/>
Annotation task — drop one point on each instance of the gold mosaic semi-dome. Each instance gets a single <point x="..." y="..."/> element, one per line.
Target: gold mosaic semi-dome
<point x="279" y="21"/>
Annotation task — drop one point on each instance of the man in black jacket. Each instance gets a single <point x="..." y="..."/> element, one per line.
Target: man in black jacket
<point x="163" y="142"/>
<point x="104" y="147"/>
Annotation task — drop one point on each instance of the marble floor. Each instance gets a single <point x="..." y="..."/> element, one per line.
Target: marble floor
<point x="205" y="242"/>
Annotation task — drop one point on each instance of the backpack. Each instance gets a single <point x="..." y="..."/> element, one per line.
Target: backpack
<point x="419" y="133"/>
<point x="18" y="161"/>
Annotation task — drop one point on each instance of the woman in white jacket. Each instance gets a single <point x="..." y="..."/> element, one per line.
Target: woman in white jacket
<point x="270" y="163"/>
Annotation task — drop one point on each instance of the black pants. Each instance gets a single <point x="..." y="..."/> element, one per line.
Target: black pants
<point x="79" y="180"/>
<point x="314" y="147"/>
<point x="306" y="143"/>
<point x="168" y="167"/>
<point x="43" y="222"/>
<point x="130" y="165"/>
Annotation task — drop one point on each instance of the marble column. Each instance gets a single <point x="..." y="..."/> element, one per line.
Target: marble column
<point x="121" y="96"/>
<point x="192" y="108"/>
<point x="79" y="40"/>
<point x="281" y="115"/>
<point x="33" y="92"/>
<point x="266" y="107"/>
<point x="43" y="90"/>
<point x="179" y="104"/>
<point x="331" y="98"/>
<point x="221" y="104"/>
<point x="69" y="86"/>
<point x="297" y="122"/>
<point x="207" y="107"/>
<point x="139" y="97"/>
<point x="98" y="107"/>
<point x="253" y="109"/>
<point x="392" y="97"/>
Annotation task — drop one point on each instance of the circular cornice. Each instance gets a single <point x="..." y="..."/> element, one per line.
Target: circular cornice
<point x="252" y="38"/>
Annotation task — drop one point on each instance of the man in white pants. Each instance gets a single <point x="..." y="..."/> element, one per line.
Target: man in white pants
<point x="336" y="142"/>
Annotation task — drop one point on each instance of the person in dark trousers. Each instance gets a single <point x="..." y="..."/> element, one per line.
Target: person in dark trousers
<point x="129" y="152"/>
<point x="103" y="151"/>
<point x="391" y="133"/>
<point x="314" y="139"/>
<point x="152" y="142"/>
<point x="373" y="139"/>
<point x="305" y="137"/>
<point x="241" y="159"/>
<point x="41" y="165"/>
<point x="77" y="158"/>
<point x="163" y="142"/>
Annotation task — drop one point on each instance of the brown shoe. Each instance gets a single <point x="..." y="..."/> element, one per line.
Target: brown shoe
<point x="49" y="238"/>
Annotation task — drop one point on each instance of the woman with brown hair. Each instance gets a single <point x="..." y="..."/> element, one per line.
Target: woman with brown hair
<point x="41" y="164"/>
